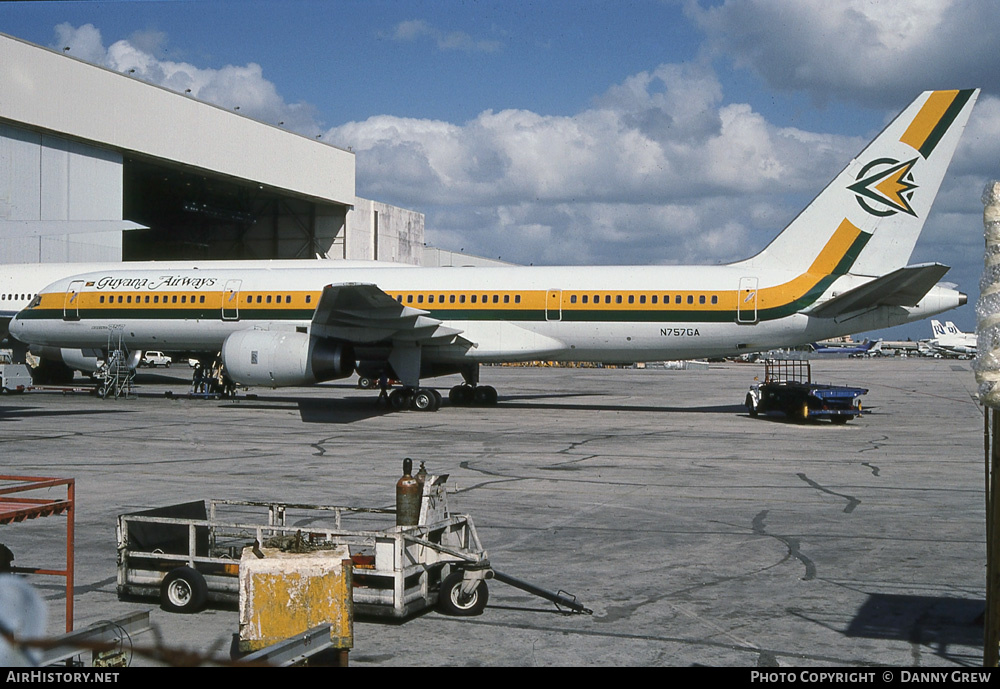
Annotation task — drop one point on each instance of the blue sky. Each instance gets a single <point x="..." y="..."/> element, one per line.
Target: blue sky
<point x="559" y="132"/>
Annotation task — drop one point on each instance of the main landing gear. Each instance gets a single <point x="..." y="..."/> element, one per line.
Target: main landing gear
<point x="419" y="399"/>
<point x="412" y="396"/>
<point x="428" y="399"/>
<point x="473" y="395"/>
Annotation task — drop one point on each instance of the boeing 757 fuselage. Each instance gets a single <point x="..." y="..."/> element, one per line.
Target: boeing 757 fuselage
<point x="839" y="268"/>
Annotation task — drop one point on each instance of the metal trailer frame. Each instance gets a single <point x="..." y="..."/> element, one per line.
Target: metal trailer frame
<point x="397" y="571"/>
<point x="19" y="501"/>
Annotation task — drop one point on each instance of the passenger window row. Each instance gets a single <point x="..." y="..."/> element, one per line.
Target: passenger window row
<point x="479" y="298"/>
<point x="641" y="299"/>
<point x="461" y="298"/>
<point x="276" y="299"/>
<point x="152" y="299"/>
<point x="573" y="299"/>
<point x="191" y="299"/>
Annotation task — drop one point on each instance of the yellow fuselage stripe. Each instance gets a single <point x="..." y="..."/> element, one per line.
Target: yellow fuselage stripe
<point x="516" y="300"/>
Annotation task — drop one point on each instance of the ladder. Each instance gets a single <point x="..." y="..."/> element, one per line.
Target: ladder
<point x="116" y="374"/>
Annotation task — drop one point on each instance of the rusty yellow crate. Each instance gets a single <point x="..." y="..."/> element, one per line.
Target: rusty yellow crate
<point x="283" y="594"/>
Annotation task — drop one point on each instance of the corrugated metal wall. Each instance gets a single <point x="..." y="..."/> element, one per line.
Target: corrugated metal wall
<point x="47" y="178"/>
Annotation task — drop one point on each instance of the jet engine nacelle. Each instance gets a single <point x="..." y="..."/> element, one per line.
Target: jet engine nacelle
<point x="283" y="359"/>
<point x="85" y="360"/>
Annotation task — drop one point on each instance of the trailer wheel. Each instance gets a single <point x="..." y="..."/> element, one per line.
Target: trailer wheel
<point x="183" y="590"/>
<point x="451" y="602"/>
<point x="751" y="407"/>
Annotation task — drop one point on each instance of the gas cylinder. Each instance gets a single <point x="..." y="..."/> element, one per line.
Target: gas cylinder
<point x="408" y="491"/>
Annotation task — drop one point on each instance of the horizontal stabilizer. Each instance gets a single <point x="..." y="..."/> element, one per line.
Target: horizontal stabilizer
<point x="902" y="287"/>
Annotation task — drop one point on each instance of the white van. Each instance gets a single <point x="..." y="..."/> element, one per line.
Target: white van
<point x="154" y="359"/>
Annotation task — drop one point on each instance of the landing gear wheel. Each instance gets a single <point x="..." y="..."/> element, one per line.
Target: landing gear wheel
<point x="485" y="395"/>
<point x="461" y="395"/>
<point x="400" y="399"/>
<point x="751" y="407"/>
<point x="452" y="602"/>
<point x="425" y="399"/>
<point x="183" y="590"/>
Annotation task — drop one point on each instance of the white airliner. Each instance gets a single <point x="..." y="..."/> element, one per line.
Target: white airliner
<point x="840" y="267"/>
<point x="950" y="341"/>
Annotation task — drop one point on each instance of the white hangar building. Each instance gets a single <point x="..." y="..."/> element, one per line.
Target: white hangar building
<point x="100" y="166"/>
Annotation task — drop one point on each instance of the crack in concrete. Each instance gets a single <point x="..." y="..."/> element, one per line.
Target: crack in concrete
<point x="874" y="444"/>
<point x="568" y="466"/>
<point x="320" y="449"/>
<point x="572" y="446"/>
<point x="852" y="502"/>
<point x="792" y="544"/>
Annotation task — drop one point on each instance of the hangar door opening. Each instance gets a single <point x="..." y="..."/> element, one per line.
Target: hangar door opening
<point x="193" y="215"/>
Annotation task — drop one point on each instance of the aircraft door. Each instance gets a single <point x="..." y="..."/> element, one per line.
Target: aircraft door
<point x="71" y="304"/>
<point x="553" y="305"/>
<point x="746" y="301"/>
<point x="231" y="300"/>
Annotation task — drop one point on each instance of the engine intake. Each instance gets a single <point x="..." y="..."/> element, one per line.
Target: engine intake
<point x="284" y="359"/>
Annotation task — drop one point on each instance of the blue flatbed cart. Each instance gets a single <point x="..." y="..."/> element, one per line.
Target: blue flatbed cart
<point x="788" y="389"/>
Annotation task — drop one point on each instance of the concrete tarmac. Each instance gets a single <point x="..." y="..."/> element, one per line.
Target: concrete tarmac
<point x="697" y="535"/>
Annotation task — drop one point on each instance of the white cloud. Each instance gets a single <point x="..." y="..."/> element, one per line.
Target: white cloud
<point x="876" y="53"/>
<point x="416" y="29"/>
<point x="641" y="177"/>
<point x="229" y="87"/>
<point x="83" y="43"/>
<point x="660" y="169"/>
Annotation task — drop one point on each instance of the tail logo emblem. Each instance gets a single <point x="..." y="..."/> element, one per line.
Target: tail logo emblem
<point x="885" y="187"/>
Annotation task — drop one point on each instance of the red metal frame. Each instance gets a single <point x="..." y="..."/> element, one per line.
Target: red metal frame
<point x="24" y="507"/>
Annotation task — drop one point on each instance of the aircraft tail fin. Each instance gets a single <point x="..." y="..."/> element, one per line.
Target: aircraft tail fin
<point x="937" y="329"/>
<point x="867" y="220"/>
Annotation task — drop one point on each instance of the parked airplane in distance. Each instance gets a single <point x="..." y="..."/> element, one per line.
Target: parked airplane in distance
<point x="840" y="267"/>
<point x="847" y="348"/>
<point x="948" y="340"/>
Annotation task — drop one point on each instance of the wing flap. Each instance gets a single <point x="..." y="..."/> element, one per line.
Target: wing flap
<point x="902" y="287"/>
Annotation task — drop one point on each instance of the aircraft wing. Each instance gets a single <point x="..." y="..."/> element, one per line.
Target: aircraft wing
<point x="902" y="287"/>
<point x="363" y="313"/>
